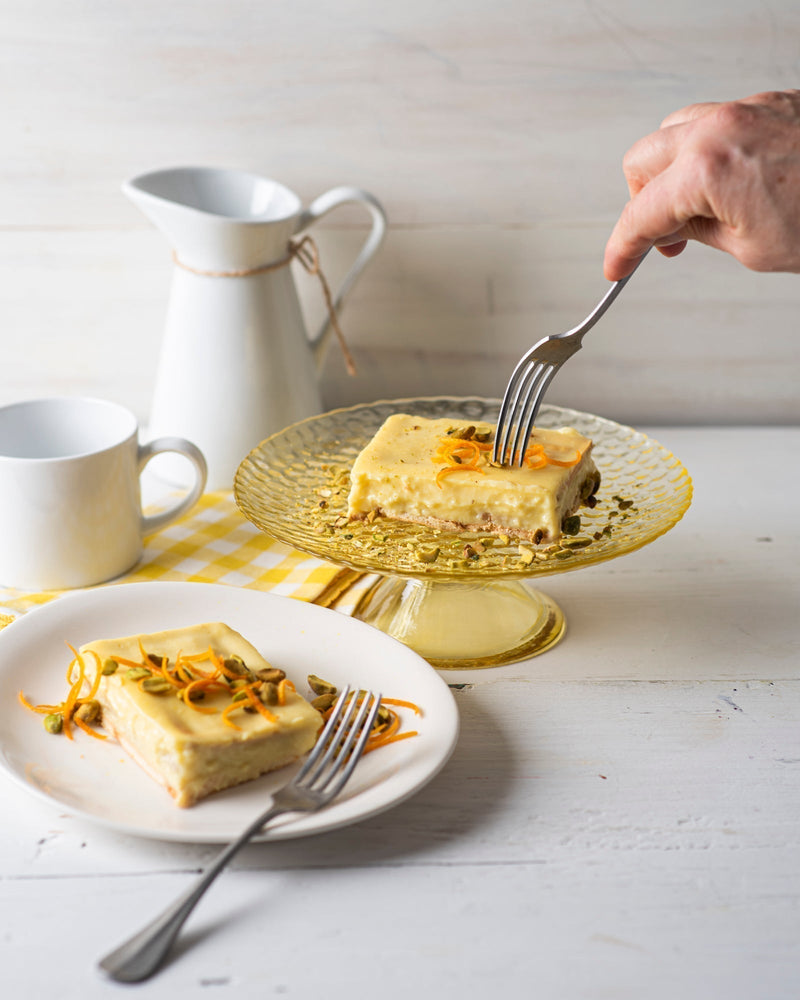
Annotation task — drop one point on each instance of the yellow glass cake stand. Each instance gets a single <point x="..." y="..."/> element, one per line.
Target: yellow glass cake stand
<point x="461" y="600"/>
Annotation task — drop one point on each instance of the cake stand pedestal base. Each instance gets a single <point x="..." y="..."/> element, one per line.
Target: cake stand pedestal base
<point x="463" y="626"/>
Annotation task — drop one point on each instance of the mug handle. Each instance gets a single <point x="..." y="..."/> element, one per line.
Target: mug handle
<point x="154" y="522"/>
<point x="326" y="203"/>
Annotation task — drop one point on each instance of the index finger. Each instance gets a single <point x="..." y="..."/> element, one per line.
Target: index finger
<point x="658" y="216"/>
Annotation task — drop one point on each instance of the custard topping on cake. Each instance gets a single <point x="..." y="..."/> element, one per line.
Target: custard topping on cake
<point x="439" y="473"/>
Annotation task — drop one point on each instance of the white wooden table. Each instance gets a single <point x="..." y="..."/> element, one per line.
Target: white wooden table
<point x="620" y="819"/>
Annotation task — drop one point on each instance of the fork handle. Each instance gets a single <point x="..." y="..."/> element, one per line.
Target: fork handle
<point x="604" y="303"/>
<point x="141" y="956"/>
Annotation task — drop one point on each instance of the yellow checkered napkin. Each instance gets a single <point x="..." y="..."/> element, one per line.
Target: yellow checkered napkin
<point x="213" y="543"/>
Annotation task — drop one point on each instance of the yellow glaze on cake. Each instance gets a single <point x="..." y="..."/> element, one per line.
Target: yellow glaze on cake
<point x="396" y="476"/>
<point x="194" y="753"/>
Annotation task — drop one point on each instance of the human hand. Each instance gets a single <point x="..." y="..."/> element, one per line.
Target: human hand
<point x="724" y="174"/>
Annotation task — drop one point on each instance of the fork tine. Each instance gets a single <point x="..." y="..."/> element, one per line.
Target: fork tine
<point x="361" y="727"/>
<point x="538" y="396"/>
<point x="517" y="453"/>
<point x="341" y="740"/>
<point x="533" y="401"/>
<point x="505" y="421"/>
<point x="329" y="739"/>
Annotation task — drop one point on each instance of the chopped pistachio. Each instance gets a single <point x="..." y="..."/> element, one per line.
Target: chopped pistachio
<point x="268" y="693"/>
<point x="89" y="711"/>
<point x="236" y="665"/>
<point x="137" y="673"/>
<point x="323" y="702"/>
<point x="156" y="685"/>
<point x="320" y="686"/>
<point x="270" y="675"/>
<point x="54" y="722"/>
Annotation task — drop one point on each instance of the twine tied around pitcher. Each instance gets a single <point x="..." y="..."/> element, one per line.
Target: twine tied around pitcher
<point x="306" y="253"/>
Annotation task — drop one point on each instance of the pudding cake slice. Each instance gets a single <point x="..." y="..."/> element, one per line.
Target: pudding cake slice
<point x="199" y="708"/>
<point x="439" y="473"/>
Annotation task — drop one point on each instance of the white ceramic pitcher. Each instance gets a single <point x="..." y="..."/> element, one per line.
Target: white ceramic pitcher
<point x="237" y="363"/>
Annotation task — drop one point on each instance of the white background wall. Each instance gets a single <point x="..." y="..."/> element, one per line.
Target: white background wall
<point x="492" y="131"/>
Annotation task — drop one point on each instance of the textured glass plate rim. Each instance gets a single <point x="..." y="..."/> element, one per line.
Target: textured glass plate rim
<point x="623" y="541"/>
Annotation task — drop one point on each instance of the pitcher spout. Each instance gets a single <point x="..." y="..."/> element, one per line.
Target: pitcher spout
<point x="217" y="220"/>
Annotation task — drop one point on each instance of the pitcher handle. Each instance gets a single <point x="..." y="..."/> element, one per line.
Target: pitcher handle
<point x="326" y="203"/>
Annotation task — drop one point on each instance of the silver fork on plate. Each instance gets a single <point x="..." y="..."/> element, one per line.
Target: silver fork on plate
<point x="535" y="371"/>
<point x="324" y="774"/>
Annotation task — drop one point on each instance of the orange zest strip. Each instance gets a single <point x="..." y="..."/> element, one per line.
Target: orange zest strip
<point x="149" y="665"/>
<point x="88" y="729"/>
<point x="283" y="686"/>
<point x="40" y="709"/>
<point x="187" y="665"/>
<point x="403" y="704"/>
<point x="394" y="738"/>
<point x="166" y="673"/>
<point x="387" y="730"/>
<point x="461" y="455"/>
<point x="197" y="657"/>
<point x="202" y="684"/>
<point x="565" y="463"/>
<point x="455" y="468"/>
<point x="221" y="668"/>
<point x="72" y="698"/>
<point x="227" y="711"/>
<point x="182" y="671"/>
<point x="146" y="661"/>
<point x="97" y="676"/>
<point x="535" y="457"/>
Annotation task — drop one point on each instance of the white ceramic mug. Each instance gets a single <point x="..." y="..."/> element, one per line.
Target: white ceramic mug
<point x="70" y="497"/>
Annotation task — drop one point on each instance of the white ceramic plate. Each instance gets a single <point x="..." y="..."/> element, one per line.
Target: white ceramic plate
<point x="98" y="781"/>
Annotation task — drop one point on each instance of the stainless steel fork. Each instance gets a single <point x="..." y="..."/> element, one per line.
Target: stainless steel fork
<point x="534" y="373"/>
<point x="322" y="777"/>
